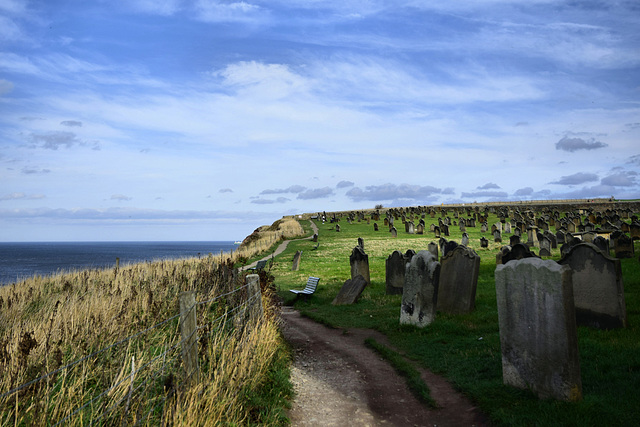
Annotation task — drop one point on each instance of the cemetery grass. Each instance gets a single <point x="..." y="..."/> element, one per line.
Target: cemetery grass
<point x="466" y="348"/>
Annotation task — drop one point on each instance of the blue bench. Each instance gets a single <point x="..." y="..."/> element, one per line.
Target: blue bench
<point x="312" y="285"/>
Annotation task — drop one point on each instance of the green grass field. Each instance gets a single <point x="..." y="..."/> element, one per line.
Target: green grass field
<point x="466" y="348"/>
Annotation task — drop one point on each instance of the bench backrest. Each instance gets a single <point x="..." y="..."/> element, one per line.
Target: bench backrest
<point x="312" y="284"/>
<point x="260" y="265"/>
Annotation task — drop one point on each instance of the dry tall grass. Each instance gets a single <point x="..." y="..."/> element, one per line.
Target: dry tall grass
<point x="134" y="375"/>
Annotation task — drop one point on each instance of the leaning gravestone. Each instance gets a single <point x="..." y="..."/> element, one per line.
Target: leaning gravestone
<point x="420" y="292"/>
<point x="459" y="270"/>
<point x="538" y="336"/>
<point x="296" y="261"/>
<point x="465" y="239"/>
<point x="433" y="248"/>
<point x="598" y="291"/>
<point x="350" y="291"/>
<point x="359" y="264"/>
<point x="395" y="267"/>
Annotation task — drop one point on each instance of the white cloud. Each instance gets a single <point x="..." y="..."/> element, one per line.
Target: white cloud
<point x="218" y="11"/>
<point x="577" y="178"/>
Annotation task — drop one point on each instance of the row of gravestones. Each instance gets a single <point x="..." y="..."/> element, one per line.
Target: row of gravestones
<point x="550" y="298"/>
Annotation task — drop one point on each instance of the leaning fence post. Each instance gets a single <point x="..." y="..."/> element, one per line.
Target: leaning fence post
<point x="188" y="333"/>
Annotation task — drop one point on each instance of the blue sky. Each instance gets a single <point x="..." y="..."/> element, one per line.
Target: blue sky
<point x="204" y="119"/>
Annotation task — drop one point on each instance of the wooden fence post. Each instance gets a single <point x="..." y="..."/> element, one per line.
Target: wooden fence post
<point x="189" y="336"/>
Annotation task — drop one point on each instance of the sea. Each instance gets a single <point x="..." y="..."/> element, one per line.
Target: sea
<point x="26" y="259"/>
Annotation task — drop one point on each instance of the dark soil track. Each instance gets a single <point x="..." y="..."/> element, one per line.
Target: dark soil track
<point x="340" y="382"/>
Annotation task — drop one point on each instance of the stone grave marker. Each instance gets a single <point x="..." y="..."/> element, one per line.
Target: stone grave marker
<point x="350" y="291"/>
<point x="598" y="291"/>
<point x="514" y="240"/>
<point x="394" y="232"/>
<point x="515" y="252"/>
<point x="459" y="270"/>
<point x="465" y="239"/>
<point x="545" y="246"/>
<point x="420" y="292"/>
<point x="538" y="336"/>
<point x="623" y="246"/>
<point x="296" y="261"/>
<point x="359" y="264"/>
<point x="361" y="242"/>
<point x="484" y="243"/>
<point x="602" y="244"/>
<point x="395" y="267"/>
<point x="433" y="248"/>
<point x="375" y="226"/>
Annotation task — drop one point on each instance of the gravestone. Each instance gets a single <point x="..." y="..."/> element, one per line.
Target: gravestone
<point x="394" y="232"/>
<point x="411" y="228"/>
<point x="545" y="246"/>
<point x="350" y="291"/>
<point x="623" y="246"/>
<point x="361" y="242"/>
<point x="588" y="236"/>
<point x="483" y="227"/>
<point x="598" y="291"/>
<point x="459" y="270"/>
<point x="532" y="237"/>
<point x="497" y="236"/>
<point x="465" y="239"/>
<point x="359" y="264"/>
<point x="296" y="261"/>
<point x="433" y="248"/>
<point x="514" y="240"/>
<point x="375" y="226"/>
<point x="484" y="243"/>
<point x="448" y="247"/>
<point x="395" y="267"/>
<point x="315" y="238"/>
<point x="561" y="237"/>
<point x="515" y="252"/>
<point x="538" y="336"/>
<point x="436" y="231"/>
<point x="420" y="228"/>
<point x="507" y="227"/>
<point x="602" y="244"/>
<point x="420" y="292"/>
<point x="337" y="228"/>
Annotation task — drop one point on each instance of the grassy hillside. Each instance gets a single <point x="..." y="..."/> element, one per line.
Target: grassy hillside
<point x="104" y="346"/>
<point x="466" y="348"/>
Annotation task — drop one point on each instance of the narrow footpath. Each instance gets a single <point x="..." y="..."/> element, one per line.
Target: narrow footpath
<point x="339" y="381"/>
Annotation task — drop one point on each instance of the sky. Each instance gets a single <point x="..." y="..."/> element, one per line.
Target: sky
<point x="205" y="119"/>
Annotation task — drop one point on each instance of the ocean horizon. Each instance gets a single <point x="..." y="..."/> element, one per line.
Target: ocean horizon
<point x="22" y="260"/>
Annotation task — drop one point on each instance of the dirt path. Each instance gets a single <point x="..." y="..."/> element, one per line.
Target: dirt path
<point x="339" y="381"/>
<point x="280" y="248"/>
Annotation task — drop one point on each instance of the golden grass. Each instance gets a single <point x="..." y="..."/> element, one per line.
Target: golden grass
<point x="49" y="322"/>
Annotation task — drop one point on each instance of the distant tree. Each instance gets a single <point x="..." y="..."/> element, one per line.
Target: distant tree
<point x="379" y="207"/>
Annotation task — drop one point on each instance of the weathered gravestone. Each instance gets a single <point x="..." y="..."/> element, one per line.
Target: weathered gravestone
<point x="465" y="239"/>
<point x="420" y="292"/>
<point x="359" y="264"/>
<point x="296" y="261"/>
<point x="623" y="246"/>
<point x="515" y="252"/>
<point x="514" y="240"/>
<point x="350" y="291"/>
<point x="602" y="244"/>
<point x="459" y="270"/>
<point x="538" y="336"/>
<point x="395" y="267"/>
<point x="484" y="243"/>
<point x="545" y="247"/>
<point x="433" y="248"/>
<point x="338" y="228"/>
<point x="375" y="226"/>
<point x="532" y="237"/>
<point x="315" y="238"/>
<point x="394" y="232"/>
<point x="361" y="242"/>
<point x="598" y="291"/>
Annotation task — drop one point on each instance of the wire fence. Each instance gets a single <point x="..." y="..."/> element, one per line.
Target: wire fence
<point x="141" y="390"/>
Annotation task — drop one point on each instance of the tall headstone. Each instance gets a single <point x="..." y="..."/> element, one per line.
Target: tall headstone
<point x="623" y="246"/>
<point x="420" y="292"/>
<point x="394" y="232"/>
<point x="598" y="291"/>
<point x="359" y="264"/>
<point x="395" y="267"/>
<point x="433" y="248"/>
<point x="538" y="336"/>
<point x="296" y="261"/>
<point x="459" y="270"/>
